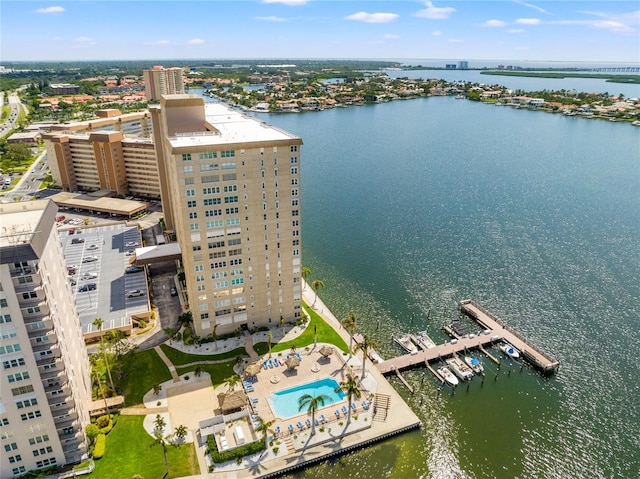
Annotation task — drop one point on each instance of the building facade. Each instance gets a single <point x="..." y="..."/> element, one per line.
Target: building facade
<point x="114" y="152"/>
<point x="45" y="384"/>
<point x="231" y="193"/>
<point x="160" y="81"/>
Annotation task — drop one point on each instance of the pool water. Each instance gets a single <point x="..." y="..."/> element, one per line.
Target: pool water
<point x="285" y="403"/>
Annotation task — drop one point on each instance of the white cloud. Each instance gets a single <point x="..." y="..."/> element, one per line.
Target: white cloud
<point x="435" y="13"/>
<point x="617" y="27"/>
<point x="195" y="41"/>
<point x="291" y="3"/>
<point x="50" y="10"/>
<point x="535" y="7"/>
<point x="372" y="17"/>
<point x="436" y="33"/>
<point x="494" y="23"/>
<point x="516" y="30"/>
<point x="83" y="39"/>
<point x="528" y="21"/>
<point x="270" y="19"/>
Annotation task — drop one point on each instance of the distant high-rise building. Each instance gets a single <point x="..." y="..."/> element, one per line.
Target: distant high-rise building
<point x="463" y="65"/>
<point x="45" y="382"/>
<point x="160" y="81"/>
<point x="450" y="66"/>
<point x="231" y="193"/>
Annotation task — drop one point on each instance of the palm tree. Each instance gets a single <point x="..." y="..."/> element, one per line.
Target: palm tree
<point x="366" y="344"/>
<point x="312" y="404"/>
<point x="350" y="387"/>
<point x="214" y="333"/>
<point x="180" y="433"/>
<point x="350" y="324"/>
<point x="161" y="439"/>
<point x="269" y="338"/>
<point x="171" y="332"/>
<point x="305" y="273"/>
<point x="93" y="361"/>
<point x="316" y="285"/>
<point x="265" y="429"/>
<point x="232" y="382"/>
<point x="156" y="389"/>
<point x="98" y="322"/>
<point x="197" y="371"/>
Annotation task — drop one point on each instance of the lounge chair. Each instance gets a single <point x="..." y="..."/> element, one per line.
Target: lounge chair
<point x="264" y="365"/>
<point x="308" y="423"/>
<point x="300" y="425"/>
<point x="299" y="357"/>
<point x="282" y="363"/>
<point x="344" y="410"/>
<point x="365" y="405"/>
<point x="337" y="414"/>
<point x="322" y="418"/>
<point x="316" y="422"/>
<point x="291" y="428"/>
<point x="254" y="400"/>
<point x="249" y="390"/>
<point x="278" y="432"/>
<point x="354" y="407"/>
<point x="270" y="364"/>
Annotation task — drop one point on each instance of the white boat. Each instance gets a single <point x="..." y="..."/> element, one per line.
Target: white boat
<point x="509" y="350"/>
<point x="374" y="356"/>
<point x="424" y="341"/>
<point x="461" y="370"/>
<point x="474" y="364"/>
<point x="448" y="376"/>
<point x="405" y="342"/>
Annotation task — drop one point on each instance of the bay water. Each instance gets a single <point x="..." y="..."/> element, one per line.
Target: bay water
<point x="411" y="206"/>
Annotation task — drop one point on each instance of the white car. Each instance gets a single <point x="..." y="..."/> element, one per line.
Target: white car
<point x="132" y="243"/>
<point x="89" y="275"/>
<point x="130" y="253"/>
<point x="134" y="293"/>
<point x="92" y="246"/>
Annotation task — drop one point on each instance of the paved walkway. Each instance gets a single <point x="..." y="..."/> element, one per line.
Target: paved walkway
<point x="248" y="346"/>
<point x="172" y="368"/>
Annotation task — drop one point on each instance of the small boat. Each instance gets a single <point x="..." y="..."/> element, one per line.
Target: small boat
<point x="461" y="370"/>
<point x="509" y="350"/>
<point x="448" y="376"/>
<point x="474" y="364"/>
<point x="374" y="356"/>
<point x="405" y="342"/>
<point x="424" y="341"/>
<point x="460" y="96"/>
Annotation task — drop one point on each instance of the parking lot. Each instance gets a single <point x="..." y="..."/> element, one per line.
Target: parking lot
<point x="104" y="284"/>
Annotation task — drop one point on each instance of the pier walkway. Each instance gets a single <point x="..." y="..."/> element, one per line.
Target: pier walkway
<point x="493" y="331"/>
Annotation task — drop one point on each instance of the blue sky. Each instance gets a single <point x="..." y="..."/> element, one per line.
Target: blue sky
<point x="516" y="30"/>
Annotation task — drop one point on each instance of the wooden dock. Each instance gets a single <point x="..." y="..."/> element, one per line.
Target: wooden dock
<point x="493" y="330"/>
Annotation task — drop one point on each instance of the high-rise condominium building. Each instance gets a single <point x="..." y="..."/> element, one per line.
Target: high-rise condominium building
<point x="45" y="388"/>
<point x="160" y="81"/>
<point x="231" y="192"/>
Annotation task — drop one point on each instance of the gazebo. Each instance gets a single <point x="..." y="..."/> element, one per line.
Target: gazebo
<point x="292" y="363"/>
<point x="253" y="369"/>
<point x="326" y="351"/>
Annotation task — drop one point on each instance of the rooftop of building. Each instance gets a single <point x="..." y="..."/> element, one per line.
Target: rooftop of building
<point x="20" y="221"/>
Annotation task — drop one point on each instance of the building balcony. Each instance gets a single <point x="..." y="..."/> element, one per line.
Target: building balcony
<point x="36" y="286"/>
<point x="54" y="367"/>
<point x="56" y="373"/>
<point x="35" y="318"/>
<point x="23" y="270"/>
<point x="65" y="421"/>
<point x="51" y="385"/>
<point x="65" y="406"/>
<point x="42" y="337"/>
<point x="43" y="347"/>
<point x="35" y="329"/>
<point x="47" y="354"/>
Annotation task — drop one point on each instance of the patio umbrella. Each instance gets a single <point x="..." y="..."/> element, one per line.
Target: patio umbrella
<point x="326" y="350"/>
<point x="253" y="369"/>
<point x="292" y="363"/>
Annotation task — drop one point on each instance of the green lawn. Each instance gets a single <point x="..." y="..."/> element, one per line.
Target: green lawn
<point x="218" y="372"/>
<point x="128" y="452"/>
<point x="178" y="357"/>
<point x="143" y="370"/>
<point x="326" y="334"/>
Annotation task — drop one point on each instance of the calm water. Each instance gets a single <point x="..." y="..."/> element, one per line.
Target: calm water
<point x="410" y="207"/>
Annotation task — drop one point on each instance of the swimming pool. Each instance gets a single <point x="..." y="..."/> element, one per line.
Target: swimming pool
<point x="285" y="403"/>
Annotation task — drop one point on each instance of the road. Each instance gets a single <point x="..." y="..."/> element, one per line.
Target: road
<point x="11" y="123"/>
<point x="28" y="186"/>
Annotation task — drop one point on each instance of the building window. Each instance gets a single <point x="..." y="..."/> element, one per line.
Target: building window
<point x="212" y="201"/>
<point x="186" y="157"/>
<point x="10" y="348"/>
<point x="294" y="170"/>
<point x="191" y="193"/>
<point x="208" y="155"/>
<point x="294" y="148"/>
<point x="13" y="363"/>
<point x="191" y="204"/>
<point x="5" y="318"/>
<point x="187" y="169"/>
<point x="194" y="226"/>
<point x="193" y="215"/>
<point x="27" y="416"/>
<point x="227" y="154"/>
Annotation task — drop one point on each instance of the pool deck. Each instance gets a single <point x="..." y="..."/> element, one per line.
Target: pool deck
<point x="334" y="436"/>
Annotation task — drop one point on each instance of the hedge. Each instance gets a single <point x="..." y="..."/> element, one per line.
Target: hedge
<point x="236" y="452"/>
<point x="101" y="445"/>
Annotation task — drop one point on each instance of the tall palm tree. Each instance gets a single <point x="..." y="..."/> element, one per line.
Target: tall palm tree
<point x="350" y="387"/>
<point x="180" y="433"/>
<point x="350" y="324"/>
<point x="316" y="285"/>
<point x="312" y="404"/>
<point x="366" y="344"/>
<point x="265" y="429"/>
<point x="171" y="332"/>
<point x="232" y="382"/>
<point x="305" y="273"/>
<point x="98" y="322"/>
<point x="214" y="333"/>
<point x="98" y="381"/>
<point x="160" y="439"/>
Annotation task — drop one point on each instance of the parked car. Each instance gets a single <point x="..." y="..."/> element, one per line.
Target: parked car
<point x="72" y="231"/>
<point x="173" y="291"/>
<point x="73" y="282"/>
<point x="130" y="253"/>
<point x="89" y="259"/>
<point x="132" y="243"/>
<point x="87" y="287"/>
<point x="77" y="240"/>
<point x="135" y="293"/>
<point x="132" y="269"/>
<point x="89" y="275"/>
<point x="92" y="246"/>
<point x="60" y="218"/>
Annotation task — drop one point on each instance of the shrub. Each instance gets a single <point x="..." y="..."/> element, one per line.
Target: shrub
<point x="101" y="445"/>
<point x="142" y="324"/>
<point x="103" y="421"/>
<point x="235" y="453"/>
<point x="92" y="432"/>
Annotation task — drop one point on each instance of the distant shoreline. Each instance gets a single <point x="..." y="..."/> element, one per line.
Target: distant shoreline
<point x="632" y="79"/>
